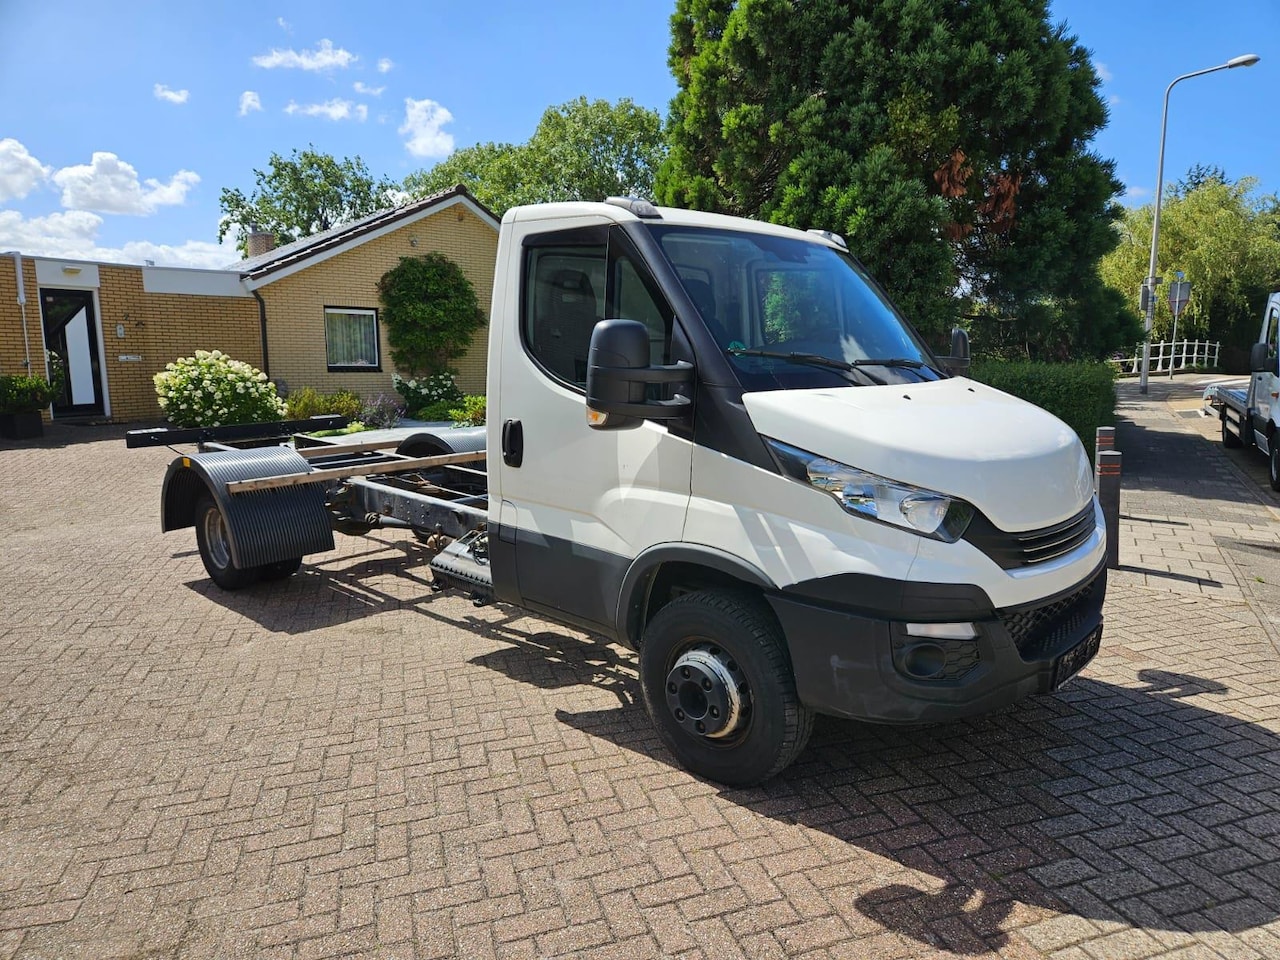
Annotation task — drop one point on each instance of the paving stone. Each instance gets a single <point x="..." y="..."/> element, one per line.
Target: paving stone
<point x="346" y="764"/>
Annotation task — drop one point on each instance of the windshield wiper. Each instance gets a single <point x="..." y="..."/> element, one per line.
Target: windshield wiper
<point x="890" y="362"/>
<point x="812" y="359"/>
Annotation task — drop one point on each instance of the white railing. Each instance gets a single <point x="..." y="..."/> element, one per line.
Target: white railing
<point x="1169" y="355"/>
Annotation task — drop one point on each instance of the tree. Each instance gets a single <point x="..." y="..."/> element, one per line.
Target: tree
<point x="1223" y="236"/>
<point x="580" y="150"/>
<point x="430" y="312"/>
<point x="302" y="195"/>
<point x="494" y="173"/>
<point x="947" y="142"/>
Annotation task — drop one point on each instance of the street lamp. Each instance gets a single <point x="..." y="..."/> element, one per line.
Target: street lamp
<point x="1246" y="60"/>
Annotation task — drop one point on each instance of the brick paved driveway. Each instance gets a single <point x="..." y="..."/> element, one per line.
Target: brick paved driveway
<point x="346" y="765"/>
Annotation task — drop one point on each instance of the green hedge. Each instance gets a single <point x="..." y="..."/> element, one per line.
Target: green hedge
<point x="309" y="402"/>
<point x="1082" y="395"/>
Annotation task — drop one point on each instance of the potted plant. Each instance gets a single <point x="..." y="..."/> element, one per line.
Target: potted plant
<point x="21" y="400"/>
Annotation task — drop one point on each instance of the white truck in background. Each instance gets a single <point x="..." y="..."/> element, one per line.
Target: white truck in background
<point x="715" y="441"/>
<point x="1250" y="416"/>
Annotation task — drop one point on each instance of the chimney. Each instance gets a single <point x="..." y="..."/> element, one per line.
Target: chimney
<point x="260" y="242"/>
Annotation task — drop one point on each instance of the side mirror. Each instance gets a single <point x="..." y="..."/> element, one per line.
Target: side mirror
<point x="958" y="362"/>
<point x="1258" y="358"/>
<point x="618" y="375"/>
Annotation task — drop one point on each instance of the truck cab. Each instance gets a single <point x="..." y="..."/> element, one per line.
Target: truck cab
<point x="1249" y="417"/>
<point x="716" y="441"/>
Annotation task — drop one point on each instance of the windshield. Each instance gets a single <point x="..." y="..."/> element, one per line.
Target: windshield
<point x="779" y="306"/>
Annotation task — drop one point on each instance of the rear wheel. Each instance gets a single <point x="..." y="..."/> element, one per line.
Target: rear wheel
<point x="718" y="686"/>
<point x="215" y="548"/>
<point x="1230" y="440"/>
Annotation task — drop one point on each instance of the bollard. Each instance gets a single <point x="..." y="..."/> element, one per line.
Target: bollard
<point x="1104" y="438"/>
<point x="1108" y="479"/>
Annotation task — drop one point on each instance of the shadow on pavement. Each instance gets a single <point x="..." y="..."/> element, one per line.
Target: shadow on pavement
<point x="1134" y="806"/>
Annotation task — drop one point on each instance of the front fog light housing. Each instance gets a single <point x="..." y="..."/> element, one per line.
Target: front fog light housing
<point x="867" y="495"/>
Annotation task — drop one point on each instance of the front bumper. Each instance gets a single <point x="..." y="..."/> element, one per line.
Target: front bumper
<point x="852" y="656"/>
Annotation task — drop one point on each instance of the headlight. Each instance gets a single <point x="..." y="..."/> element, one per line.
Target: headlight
<point x="876" y="498"/>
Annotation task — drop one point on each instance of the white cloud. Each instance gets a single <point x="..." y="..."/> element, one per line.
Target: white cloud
<point x="109" y="185"/>
<point x="1101" y="70"/>
<point x="1113" y="101"/>
<point x="173" y="96"/>
<point x="249" y="102"/>
<point x="335" y="109"/>
<point x="385" y="65"/>
<point x="324" y="57"/>
<point x="368" y="91"/>
<point x="284" y="24"/>
<point x="20" y="172"/>
<point x="422" y="122"/>
<point x="74" y="235"/>
<point x="1135" y="193"/>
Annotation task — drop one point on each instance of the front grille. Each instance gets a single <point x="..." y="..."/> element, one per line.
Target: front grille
<point x="1029" y="547"/>
<point x="1041" y="632"/>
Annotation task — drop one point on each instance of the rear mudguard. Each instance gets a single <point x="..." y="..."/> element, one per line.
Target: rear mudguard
<point x="264" y="526"/>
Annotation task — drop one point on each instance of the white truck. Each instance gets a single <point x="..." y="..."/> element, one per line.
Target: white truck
<point x="1250" y="416"/>
<point x="715" y="441"/>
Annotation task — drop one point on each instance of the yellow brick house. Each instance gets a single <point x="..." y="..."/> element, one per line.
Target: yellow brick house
<point x="305" y="312"/>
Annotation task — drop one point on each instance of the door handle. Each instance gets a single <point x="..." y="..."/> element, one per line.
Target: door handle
<point x="512" y="443"/>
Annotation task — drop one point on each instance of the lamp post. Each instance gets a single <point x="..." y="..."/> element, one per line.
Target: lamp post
<point x="1246" y="60"/>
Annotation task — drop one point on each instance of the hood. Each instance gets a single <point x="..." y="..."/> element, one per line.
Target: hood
<point x="1020" y="465"/>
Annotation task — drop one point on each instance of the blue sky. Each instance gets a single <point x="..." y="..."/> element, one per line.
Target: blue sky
<point x="121" y="123"/>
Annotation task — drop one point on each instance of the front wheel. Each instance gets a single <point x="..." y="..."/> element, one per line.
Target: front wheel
<point x="1274" y="457"/>
<point x="215" y="548"/>
<point x="718" y="686"/>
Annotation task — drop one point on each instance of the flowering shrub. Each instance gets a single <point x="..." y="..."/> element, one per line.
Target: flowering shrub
<point x="211" y="390"/>
<point x="382" y="411"/>
<point x="427" y="395"/>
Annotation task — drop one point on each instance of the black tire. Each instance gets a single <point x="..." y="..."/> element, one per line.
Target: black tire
<point x="215" y="548"/>
<point x="1230" y="440"/>
<point x="1273" y="443"/>
<point x="280" y="570"/>
<point x="741" y="634"/>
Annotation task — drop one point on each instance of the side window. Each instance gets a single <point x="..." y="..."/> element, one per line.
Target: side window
<point x="630" y="298"/>
<point x="564" y="300"/>
<point x="351" y="339"/>
<point x="1273" y="325"/>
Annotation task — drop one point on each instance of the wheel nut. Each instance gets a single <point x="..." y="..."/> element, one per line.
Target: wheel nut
<point x="679" y="714"/>
<point x="702" y="727"/>
<point x="671" y="688"/>
<point x="706" y="684"/>
<point x="684" y="672"/>
<point x="715" y="713"/>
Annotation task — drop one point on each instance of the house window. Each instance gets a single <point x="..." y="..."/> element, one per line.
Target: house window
<point x="351" y="339"/>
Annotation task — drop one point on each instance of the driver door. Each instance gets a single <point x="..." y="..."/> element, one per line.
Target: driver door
<point x="578" y="504"/>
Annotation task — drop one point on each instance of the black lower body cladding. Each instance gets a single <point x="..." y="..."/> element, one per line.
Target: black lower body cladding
<point x="853" y="657"/>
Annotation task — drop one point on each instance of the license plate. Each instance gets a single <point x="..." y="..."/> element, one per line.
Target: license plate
<point x="1077" y="658"/>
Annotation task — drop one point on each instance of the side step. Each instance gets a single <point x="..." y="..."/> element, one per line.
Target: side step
<point x="464" y="565"/>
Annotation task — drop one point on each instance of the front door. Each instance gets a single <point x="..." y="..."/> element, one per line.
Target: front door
<point x="71" y="332"/>
<point x="578" y="504"/>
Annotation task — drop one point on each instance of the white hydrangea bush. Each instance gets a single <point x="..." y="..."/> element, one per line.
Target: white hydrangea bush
<point x="212" y="390"/>
<point x="428" y="395"/>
